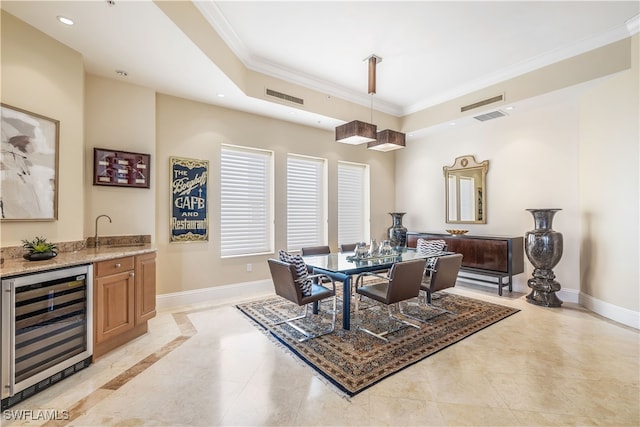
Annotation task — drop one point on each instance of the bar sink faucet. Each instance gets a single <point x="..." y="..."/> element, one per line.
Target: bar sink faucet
<point x="96" y="236"/>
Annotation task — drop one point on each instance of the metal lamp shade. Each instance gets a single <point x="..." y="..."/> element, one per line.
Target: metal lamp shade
<point x="356" y="132"/>
<point x="388" y="140"/>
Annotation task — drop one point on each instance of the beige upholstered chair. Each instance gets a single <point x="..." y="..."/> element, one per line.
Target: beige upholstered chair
<point x="443" y="275"/>
<point x="288" y="286"/>
<point x="402" y="283"/>
<point x="316" y="250"/>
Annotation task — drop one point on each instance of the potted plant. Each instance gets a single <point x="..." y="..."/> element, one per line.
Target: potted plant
<point x="39" y="249"/>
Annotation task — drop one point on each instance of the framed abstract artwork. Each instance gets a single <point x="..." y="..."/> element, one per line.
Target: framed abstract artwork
<point x="189" y="220"/>
<point x="121" y="168"/>
<point x="28" y="166"/>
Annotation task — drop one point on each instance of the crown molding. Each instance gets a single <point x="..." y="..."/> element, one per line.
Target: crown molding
<point x="590" y="43"/>
<point x="261" y="65"/>
<point x="633" y="24"/>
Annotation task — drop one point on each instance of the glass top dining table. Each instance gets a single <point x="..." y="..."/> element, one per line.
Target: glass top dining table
<point x="341" y="266"/>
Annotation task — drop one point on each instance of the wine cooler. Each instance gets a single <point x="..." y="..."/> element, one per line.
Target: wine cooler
<point x="47" y="329"/>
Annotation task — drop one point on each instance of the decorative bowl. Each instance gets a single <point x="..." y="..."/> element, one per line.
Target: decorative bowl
<point x="457" y="232"/>
<point x="39" y="256"/>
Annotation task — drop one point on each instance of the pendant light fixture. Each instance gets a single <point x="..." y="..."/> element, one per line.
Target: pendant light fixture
<point x="358" y="132"/>
<point x="388" y="140"/>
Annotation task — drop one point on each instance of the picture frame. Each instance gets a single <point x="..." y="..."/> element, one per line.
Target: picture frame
<point x="121" y="168"/>
<point x="189" y="221"/>
<point x="28" y="165"/>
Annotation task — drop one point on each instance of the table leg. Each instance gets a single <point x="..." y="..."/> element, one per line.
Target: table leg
<point x="316" y="304"/>
<point x="346" y="297"/>
<point x="346" y="303"/>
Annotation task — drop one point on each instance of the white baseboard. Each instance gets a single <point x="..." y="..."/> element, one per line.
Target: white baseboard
<point x="610" y="311"/>
<point x="225" y="294"/>
<point x="617" y="314"/>
<point x="238" y="292"/>
<point x="569" y="295"/>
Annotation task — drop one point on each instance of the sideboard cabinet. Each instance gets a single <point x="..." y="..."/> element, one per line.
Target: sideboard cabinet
<point x="493" y="256"/>
<point x="124" y="300"/>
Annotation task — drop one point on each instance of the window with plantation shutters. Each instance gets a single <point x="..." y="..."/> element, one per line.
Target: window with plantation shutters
<point x="246" y="201"/>
<point x="353" y="203"/>
<point x="306" y="202"/>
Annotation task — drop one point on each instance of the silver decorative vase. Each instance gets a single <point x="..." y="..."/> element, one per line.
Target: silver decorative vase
<point x="543" y="247"/>
<point x="397" y="232"/>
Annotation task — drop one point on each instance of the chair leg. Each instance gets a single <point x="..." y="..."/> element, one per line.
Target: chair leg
<point x="428" y="303"/>
<point x="306" y="307"/>
<point x="382" y="335"/>
<point x="307" y="335"/>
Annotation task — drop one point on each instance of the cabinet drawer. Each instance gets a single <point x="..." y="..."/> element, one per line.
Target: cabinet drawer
<point x="113" y="266"/>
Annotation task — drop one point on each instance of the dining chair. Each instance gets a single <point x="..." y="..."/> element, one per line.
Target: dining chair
<point x="294" y="287"/>
<point x="316" y="250"/>
<point x="348" y="247"/>
<point x="402" y="283"/>
<point x="427" y="246"/>
<point x="443" y="275"/>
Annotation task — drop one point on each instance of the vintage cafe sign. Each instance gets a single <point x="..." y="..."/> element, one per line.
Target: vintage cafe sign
<point x="189" y="220"/>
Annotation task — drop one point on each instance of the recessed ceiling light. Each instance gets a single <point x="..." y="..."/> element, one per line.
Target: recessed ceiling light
<point x="122" y="73"/>
<point x="220" y="95"/>
<point x="293" y="113"/>
<point x="452" y="124"/>
<point x="65" y="20"/>
<point x="509" y="108"/>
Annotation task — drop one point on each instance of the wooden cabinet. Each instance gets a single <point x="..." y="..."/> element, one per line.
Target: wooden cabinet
<point x="145" y="306"/>
<point x="114" y="295"/>
<point x="495" y="256"/>
<point x="124" y="299"/>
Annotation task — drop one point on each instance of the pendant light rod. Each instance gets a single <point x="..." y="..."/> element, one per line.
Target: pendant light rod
<point x="373" y="61"/>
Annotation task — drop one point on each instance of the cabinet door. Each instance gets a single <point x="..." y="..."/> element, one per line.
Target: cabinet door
<point x="114" y="303"/>
<point x="480" y="253"/>
<point x="145" y="287"/>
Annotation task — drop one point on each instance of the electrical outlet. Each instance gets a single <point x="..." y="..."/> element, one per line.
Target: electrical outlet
<point x="249" y="267"/>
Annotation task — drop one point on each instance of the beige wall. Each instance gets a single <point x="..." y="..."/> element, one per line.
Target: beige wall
<point x="194" y="130"/>
<point x="532" y="156"/>
<point x="43" y="76"/>
<point x="575" y="149"/>
<point x="610" y="190"/>
<point x="119" y="116"/>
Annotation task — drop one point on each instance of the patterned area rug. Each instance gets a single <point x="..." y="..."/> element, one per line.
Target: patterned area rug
<point x="353" y="360"/>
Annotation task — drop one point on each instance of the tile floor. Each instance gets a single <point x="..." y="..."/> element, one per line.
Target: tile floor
<point x="207" y="365"/>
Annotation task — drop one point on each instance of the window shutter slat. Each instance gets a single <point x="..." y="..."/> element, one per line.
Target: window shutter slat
<point x="245" y="205"/>
<point x="305" y="202"/>
<point x="351" y="202"/>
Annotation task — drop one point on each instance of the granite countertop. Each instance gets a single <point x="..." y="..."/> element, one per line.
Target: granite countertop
<point x="17" y="266"/>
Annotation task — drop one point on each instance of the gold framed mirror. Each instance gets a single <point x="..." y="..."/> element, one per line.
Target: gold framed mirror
<point x="466" y="191"/>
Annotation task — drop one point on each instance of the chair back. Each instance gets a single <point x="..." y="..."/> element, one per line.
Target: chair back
<point x="446" y="272"/>
<point x="316" y="250"/>
<point x="405" y="279"/>
<point x="284" y="275"/>
<point x="430" y="245"/>
<point x="348" y="247"/>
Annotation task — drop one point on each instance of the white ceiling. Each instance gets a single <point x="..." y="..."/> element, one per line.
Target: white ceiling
<point x="432" y="51"/>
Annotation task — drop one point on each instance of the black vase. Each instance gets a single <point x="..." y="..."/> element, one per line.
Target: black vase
<point x="397" y="232"/>
<point x="543" y="247"/>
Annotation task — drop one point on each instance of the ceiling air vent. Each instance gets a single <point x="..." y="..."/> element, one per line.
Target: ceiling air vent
<point x="490" y="116"/>
<point x="285" y="97"/>
<point x="482" y="103"/>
